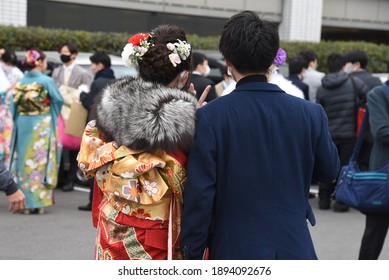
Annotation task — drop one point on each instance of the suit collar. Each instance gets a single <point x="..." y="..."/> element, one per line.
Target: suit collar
<point x="257" y="86"/>
<point x="252" y="79"/>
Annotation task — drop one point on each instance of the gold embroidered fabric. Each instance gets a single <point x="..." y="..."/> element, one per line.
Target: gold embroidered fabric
<point x="136" y="183"/>
<point x="32" y="99"/>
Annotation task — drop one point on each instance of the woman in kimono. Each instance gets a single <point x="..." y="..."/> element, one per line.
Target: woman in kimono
<point x="5" y="118"/>
<point x="136" y="150"/>
<point x="9" y="75"/>
<point x="36" y="150"/>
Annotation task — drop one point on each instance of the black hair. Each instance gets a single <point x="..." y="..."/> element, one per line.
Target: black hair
<point x="9" y="57"/>
<point x="197" y="59"/>
<point x="357" y="56"/>
<point x="155" y="65"/>
<point x="72" y="48"/>
<point x="335" y="62"/>
<point x="249" y="43"/>
<point x="223" y="70"/>
<point x="309" y="56"/>
<point x="29" y="65"/>
<point x="101" y="57"/>
<point x="296" y="65"/>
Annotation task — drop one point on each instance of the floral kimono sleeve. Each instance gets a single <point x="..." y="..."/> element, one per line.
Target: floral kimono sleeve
<point x="94" y="151"/>
<point x="56" y="100"/>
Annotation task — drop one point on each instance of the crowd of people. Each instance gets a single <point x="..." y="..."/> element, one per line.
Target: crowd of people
<point x="182" y="167"/>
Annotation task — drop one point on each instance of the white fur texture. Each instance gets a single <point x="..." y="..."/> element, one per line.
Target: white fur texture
<point x="145" y="116"/>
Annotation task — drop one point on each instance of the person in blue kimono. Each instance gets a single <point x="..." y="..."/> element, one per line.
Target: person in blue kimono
<point x="256" y="151"/>
<point x="35" y="149"/>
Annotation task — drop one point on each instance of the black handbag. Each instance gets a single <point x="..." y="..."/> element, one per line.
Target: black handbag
<point x="367" y="191"/>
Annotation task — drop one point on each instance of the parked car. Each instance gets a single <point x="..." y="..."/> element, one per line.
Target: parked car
<point x="82" y="59"/>
<point x="382" y="76"/>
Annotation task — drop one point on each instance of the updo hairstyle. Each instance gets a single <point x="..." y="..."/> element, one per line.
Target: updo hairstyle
<point x="33" y="59"/>
<point x="155" y="65"/>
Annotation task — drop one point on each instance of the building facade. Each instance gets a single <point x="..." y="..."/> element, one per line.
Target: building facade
<point x="299" y="20"/>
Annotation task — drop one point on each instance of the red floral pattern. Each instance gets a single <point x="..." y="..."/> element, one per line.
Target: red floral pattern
<point x="141" y="168"/>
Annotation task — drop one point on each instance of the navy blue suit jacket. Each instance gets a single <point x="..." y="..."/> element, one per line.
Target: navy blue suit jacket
<point x="250" y="172"/>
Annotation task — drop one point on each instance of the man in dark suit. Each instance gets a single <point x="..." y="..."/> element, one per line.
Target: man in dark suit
<point x="296" y="74"/>
<point x="256" y="151"/>
<point x="198" y="78"/>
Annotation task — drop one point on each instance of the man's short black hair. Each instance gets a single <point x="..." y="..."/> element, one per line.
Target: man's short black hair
<point x="335" y="62"/>
<point x="249" y="43"/>
<point x="197" y="59"/>
<point x="9" y="57"/>
<point x="357" y="56"/>
<point x="72" y="48"/>
<point x="101" y="57"/>
<point x="296" y="65"/>
<point x="309" y="56"/>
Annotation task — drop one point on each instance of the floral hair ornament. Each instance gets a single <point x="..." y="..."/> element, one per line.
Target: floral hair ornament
<point x="136" y="47"/>
<point x="179" y="51"/>
<point x="280" y="57"/>
<point x="278" y="60"/>
<point x="32" y="58"/>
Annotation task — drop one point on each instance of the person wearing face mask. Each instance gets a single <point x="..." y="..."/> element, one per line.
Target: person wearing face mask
<point x="70" y="74"/>
<point x="70" y="78"/>
<point x="199" y="75"/>
<point x="136" y="149"/>
<point x="35" y="149"/>
<point x="227" y="80"/>
<point x="296" y="74"/>
<point x="340" y="97"/>
<point x="356" y="62"/>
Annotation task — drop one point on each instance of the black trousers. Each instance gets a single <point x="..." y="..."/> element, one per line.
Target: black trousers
<point x="374" y="236"/>
<point x="91" y="183"/>
<point x="68" y="167"/>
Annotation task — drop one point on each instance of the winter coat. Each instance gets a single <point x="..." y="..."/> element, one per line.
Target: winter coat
<point x="250" y="171"/>
<point x="339" y="98"/>
<point x="368" y="79"/>
<point x="102" y="79"/>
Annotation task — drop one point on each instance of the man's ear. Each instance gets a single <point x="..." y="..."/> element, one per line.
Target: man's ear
<point x="100" y="66"/>
<point x="228" y="63"/>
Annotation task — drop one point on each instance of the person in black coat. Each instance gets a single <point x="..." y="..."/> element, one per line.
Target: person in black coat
<point x="356" y="62"/>
<point x="356" y="65"/>
<point x="101" y="68"/>
<point x="296" y="74"/>
<point x="338" y="95"/>
<point x="198" y="78"/>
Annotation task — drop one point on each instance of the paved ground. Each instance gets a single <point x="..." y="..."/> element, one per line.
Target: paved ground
<point x="62" y="233"/>
<point x="65" y="233"/>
